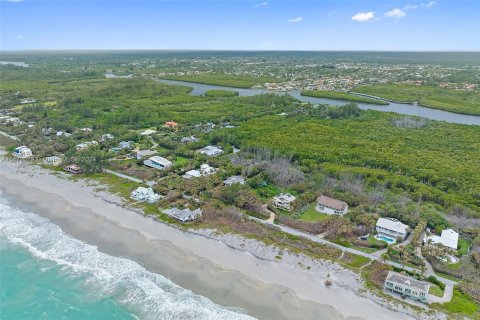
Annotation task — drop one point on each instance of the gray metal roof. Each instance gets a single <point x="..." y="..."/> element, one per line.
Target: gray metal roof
<point x="406" y="280"/>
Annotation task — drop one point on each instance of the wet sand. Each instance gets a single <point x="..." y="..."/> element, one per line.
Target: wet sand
<point x="229" y="277"/>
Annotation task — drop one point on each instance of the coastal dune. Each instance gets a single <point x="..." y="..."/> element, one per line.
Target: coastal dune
<point x="231" y="278"/>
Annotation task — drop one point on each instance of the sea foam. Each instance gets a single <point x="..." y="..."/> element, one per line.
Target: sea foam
<point x="146" y="294"/>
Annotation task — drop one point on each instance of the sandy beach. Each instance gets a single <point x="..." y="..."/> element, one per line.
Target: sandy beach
<point x="263" y="288"/>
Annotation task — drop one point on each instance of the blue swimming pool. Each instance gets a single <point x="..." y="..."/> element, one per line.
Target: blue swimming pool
<point x="383" y="238"/>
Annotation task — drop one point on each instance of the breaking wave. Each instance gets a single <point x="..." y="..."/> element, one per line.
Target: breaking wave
<point x="146" y="294"/>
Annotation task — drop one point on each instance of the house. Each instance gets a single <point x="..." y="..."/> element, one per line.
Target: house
<point x="52" y="161"/>
<point x="86" y="130"/>
<point x="157" y="162"/>
<point x="145" y="194"/>
<point x="106" y="136"/>
<point x="391" y="228"/>
<point x="63" y="134"/>
<point x="28" y="100"/>
<point x="449" y="238"/>
<point x="125" y="144"/>
<point x="144" y="153"/>
<point x="171" y="124"/>
<point x="183" y="215"/>
<point x="407" y="286"/>
<point x="204" y="170"/>
<point x="283" y="201"/>
<point x="210" y="151"/>
<point x="189" y="139"/>
<point x="73" y="168"/>
<point x="329" y="205"/>
<point x="233" y="180"/>
<point x="22" y="152"/>
<point x="85" y="145"/>
<point x="147" y="132"/>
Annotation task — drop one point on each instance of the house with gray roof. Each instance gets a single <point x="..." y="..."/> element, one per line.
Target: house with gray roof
<point x="183" y="215"/>
<point x="234" y="180"/>
<point x="211" y="151"/>
<point x="406" y="286"/>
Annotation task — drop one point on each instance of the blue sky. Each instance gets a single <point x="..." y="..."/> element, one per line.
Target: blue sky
<point x="246" y="25"/>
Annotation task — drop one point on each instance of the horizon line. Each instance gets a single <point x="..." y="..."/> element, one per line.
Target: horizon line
<point x="241" y="50"/>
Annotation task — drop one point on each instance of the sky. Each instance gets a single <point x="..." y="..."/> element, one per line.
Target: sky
<point x="446" y="25"/>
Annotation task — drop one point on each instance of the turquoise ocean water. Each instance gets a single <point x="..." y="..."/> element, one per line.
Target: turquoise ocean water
<point x="46" y="274"/>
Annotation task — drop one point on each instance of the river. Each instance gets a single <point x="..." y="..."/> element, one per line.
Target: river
<point x="402" y="108"/>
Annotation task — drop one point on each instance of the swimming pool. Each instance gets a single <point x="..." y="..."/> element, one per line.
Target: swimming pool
<point x="383" y="238"/>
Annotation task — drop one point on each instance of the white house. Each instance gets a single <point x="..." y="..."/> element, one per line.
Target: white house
<point x="147" y="132"/>
<point x="210" y="151"/>
<point x="233" y="180"/>
<point x="407" y="286"/>
<point x="145" y="194"/>
<point x="183" y="215"/>
<point x="449" y="238"/>
<point x="63" y="134"/>
<point x="283" y="201"/>
<point x="52" y="161"/>
<point x="106" y="136"/>
<point x="86" y="130"/>
<point x="125" y="144"/>
<point x="391" y="228"/>
<point x="189" y="139"/>
<point x="85" y="145"/>
<point x="157" y="162"/>
<point x="204" y="170"/>
<point x="22" y="152"/>
<point x="329" y="205"/>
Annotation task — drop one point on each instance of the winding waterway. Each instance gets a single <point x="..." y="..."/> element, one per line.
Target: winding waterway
<point x="402" y="108"/>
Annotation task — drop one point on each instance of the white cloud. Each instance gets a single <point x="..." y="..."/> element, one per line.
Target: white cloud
<point x="395" y="13"/>
<point x="430" y="4"/>
<point x="262" y="4"/>
<point x="297" y="19"/>
<point x="364" y="16"/>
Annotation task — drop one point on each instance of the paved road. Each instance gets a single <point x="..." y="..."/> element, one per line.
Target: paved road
<point x="373" y="256"/>
<point x="121" y="175"/>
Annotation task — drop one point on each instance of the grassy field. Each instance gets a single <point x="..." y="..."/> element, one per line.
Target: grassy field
<point x="435" y="290"/>
<point x="427" y="96"/>
<point x="337" y="95"/>
<point x="220" y="79"/>
<point x="460" y="304"/>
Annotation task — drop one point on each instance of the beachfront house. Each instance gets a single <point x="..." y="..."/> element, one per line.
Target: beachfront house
<point x="283" y="201"/>
<point x="145" y="195"/>
<point x="85" y="145"/>
<point x="22" y="152"/>
<point x="330" y="206"/>
<point x="210" y="151"/>
<point x="234" y="180"/>
<point x="190" y="139"/>
<point x="204" y="170"/>
<point x="389" y="229"/>
<point x="157" y="162"/>
<point x="73" y="168"/>
<point x="406" y="286"/>
<point x="140" y="154"/>
<point x="183" y="215"/>
<point x="52" y="161"/>
<point x="449" y="239"/>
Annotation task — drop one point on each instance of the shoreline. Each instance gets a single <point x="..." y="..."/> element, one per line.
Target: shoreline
<point x="219" y="268"/>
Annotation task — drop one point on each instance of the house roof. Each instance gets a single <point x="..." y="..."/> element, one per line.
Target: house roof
<point x="183" y="214"/>
<point x="234" y="179"/>
<point x="287" y="197"/>
<point x="449" y="238"/>
<point x="210" y="150"/>
<point x="411" y="282"/>
<point x="392" y="224"/>
<point x="161" y="160"/>
<point x="331" y="203"/>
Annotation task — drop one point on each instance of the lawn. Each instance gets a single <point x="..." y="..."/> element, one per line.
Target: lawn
<point x="463" y="247"/>
<point x="460" y="303"/>
<point x="435" y="290"/>
<point x="115" y="184"/>
<point x="340" y="96"/>
<point x="354" y="261"/>
<point x="181" y="161"/>
<point x="312" y="215"/>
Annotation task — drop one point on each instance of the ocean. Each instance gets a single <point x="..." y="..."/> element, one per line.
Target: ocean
<point x="47" y="274"/>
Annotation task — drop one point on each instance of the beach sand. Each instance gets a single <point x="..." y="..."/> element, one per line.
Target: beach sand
<point x="229" y="277"/>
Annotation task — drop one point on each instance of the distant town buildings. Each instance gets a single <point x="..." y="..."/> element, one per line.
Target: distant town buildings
<point x="283" y="201"/>
<point x="158" y="162"/>
<point x="147" y="132"/>
<point x="330" y="206"/>
<point x="85" y="145"/>
<point x="406" y="286"/>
